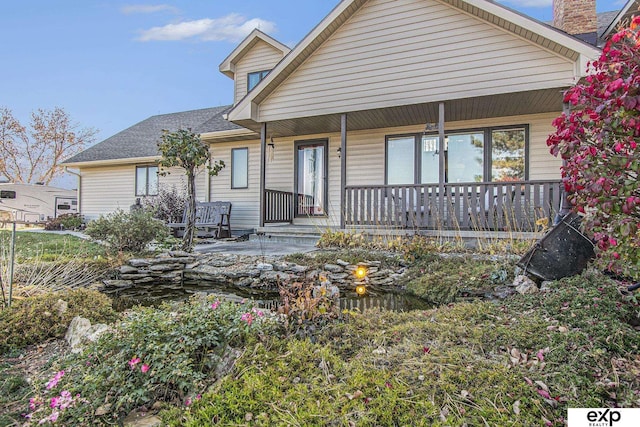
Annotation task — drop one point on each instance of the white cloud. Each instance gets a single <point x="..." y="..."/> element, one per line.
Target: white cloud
<point x="528" y="3"/>
<point x="232" y="28"/>
<point x="147" y="8"/>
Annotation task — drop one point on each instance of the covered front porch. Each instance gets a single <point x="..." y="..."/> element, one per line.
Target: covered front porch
<point x="356" y="188"/>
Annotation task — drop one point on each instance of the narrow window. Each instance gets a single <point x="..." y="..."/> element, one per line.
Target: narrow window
<point x="507" y="154"/>
<point x="240" y="168"/>
<point x="254" y="78"/>
<point x="146" y="181"/>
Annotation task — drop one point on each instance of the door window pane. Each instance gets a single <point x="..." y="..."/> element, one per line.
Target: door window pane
<point x="240" y="168"/>
<point x="465" y="157"/>
<point x="311" y="179"/>
<point x="430" y="160"/>
<point x="401" y="160"/>
<point x="507" y="155"/>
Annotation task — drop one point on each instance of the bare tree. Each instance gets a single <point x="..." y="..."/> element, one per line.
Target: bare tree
<point x="34" y="154"/>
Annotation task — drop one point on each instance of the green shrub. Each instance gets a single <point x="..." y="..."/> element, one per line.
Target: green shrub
<point x="36" y="319"/>
<point x="65" y="222"/>
<point x="127" y="231"/>
<point x="163" y="354"/>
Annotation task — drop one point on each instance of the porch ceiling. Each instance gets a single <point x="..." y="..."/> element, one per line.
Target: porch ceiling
<point x="512" y="104"/>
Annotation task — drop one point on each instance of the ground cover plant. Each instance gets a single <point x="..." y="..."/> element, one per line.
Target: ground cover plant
<point x="169" y="354"/>
<point x="519" y="362"/>
<point x="45" y="316"/>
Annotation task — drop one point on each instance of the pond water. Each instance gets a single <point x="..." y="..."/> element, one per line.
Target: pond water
<point x="269" y="299"/>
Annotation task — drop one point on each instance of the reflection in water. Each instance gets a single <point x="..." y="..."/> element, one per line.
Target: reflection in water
<point x="268" y="299"/>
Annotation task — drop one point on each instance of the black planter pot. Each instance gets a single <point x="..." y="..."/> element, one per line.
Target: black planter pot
<point x="562" y="252"/>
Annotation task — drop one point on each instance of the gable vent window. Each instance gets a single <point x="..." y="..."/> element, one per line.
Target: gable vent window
<point x="7" y="194"/>
<point x="254" y="78"/>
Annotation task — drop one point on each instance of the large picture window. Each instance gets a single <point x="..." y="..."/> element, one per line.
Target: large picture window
<point x="240" y="168"/>
<point x="478" y="155"/>
<point x="146" y="181"/>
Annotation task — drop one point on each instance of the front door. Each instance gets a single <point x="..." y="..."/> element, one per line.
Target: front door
<point x="311" y="178"/>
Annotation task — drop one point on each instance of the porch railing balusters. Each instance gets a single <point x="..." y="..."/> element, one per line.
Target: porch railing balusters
<point x="512" y="206"/>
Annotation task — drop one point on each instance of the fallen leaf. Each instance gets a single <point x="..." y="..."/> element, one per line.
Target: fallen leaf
<point x="544" y="394"/>
<point x="542" y="385"/>
<point x="516" y="407"/>
<point x="528" y="380"/>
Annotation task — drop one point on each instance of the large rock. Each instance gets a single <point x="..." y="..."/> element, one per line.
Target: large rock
<point x="82" y="331"/>
<point x="524" y="285"/>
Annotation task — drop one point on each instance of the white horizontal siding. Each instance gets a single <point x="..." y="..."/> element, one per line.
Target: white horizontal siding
<point x="260" y="57"/>
<point x="107" y="189"/>
<point x="401" y="52"/>
<point x="245" y="202"/>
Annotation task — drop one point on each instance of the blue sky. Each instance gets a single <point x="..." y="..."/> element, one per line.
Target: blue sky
<point x="111" y="64"/>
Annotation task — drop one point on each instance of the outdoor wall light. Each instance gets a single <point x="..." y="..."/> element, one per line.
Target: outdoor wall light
<point x="361" y="290"/>
<point x="360" y="272"/>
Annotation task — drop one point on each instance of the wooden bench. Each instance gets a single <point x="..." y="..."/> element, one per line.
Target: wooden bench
<point x="212" y="220"/>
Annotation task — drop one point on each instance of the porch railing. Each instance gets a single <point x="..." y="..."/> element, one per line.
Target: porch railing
<point x="513" y="206"/>
<point x="278" y="206"/>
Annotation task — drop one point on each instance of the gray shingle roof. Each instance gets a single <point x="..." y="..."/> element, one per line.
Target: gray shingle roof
<point x="604" y="19"/>
<point x="141" y="139"/>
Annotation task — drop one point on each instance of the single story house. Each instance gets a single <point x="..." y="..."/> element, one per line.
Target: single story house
<point x="403" y="114"/>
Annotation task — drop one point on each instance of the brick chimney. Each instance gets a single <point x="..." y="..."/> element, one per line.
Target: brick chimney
<point x="575" y="16"/>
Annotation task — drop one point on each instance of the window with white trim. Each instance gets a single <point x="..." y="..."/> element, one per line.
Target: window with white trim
<point x="240" y="168"/>
<point x="146" y="180"/>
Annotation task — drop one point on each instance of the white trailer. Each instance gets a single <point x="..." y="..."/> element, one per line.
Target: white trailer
<point x="35" y="203"/>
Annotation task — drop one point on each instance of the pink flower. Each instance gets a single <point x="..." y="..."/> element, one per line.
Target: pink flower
<point x="55" y="402"/>
<point x="540" y="355"/>
<point x="54" y="381"/>
<point x="215" y="305"/>
<point x="188" y="402"/>
<point x="54" y="416"/>
<point x="133" y="362"/>
<point x="258" y="312"/>
<point x="33" y="403"/>
<point x="247" y="317"/>
<point x="144" y="368"/>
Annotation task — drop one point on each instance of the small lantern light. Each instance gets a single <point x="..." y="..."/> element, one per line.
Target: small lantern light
<point x="361" y="290"/>
<point x="360" y="272"/>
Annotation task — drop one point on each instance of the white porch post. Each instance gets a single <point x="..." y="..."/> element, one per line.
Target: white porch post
<point x="263" y="170"/>
<point x="343" y="168"/>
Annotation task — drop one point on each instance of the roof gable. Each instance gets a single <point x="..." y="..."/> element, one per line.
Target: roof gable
<point x="227" y="67"/>
<point x="521" y="27"/>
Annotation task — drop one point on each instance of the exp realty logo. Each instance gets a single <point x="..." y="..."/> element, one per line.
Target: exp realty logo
<point x="603" y="417"/>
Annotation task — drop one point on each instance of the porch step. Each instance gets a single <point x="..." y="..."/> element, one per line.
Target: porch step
<point x="307" y="236"/>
